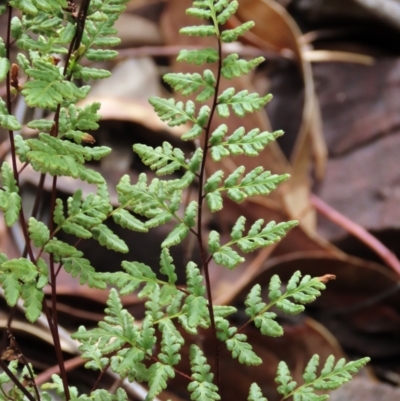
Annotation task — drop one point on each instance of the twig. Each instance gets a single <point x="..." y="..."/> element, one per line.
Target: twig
<point x="359" y="232"/>
<point x="15" y="380"/>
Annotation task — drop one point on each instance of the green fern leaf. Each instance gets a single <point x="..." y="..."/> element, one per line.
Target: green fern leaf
<point x="214" y="201"/>
<point x="195" y="161"/>
<point x="107" y="238"/>
<point x="213" y="197"/>
<point x="173" y="112"/>
<point x="167" y="266"/>
<point x="265" y="321"/>
<point x="101" y="54"/>
<point x="12" y="288"/>
<point x="195" y="303"/>
<point x="191" y="83"/>
<point x="77" y="230"/>
<point x="158" y="376"/>
<point x="136" y="274"/>
<point x="81" y="267"/>
<point x="198" y="57"/>
<point x="199" y="30"/>
<point x="238" y="143"/>
<point x="333" y="376"/>
<point x="21" y="148"/>
<point x="284" y="379"/>
<point x="194" y="280"/>
<point x="61" y="250"/>
<point x="304" y="292"/>
<point x="176" y="236"/>
<point x="48" y="87"/>
<point x="202" y="388"/>
<point x="11" y="205"/>
<point x="231" y="35"/>
<point x="241" y="103"/>
<point x="10" y="201"/>
<point x="4" y="67"/>
<point x="242" y="350"/>
<point x="8" y="121"/>
<point x="38" y="232"/>
<point x="171" y="343"/>
<point x="255" y="393"/>
<point x="233" y="67"/>
<point x="127" y="220"/>
<point x="87" y="73"/>
<point x="228" y="10"/>
<point x="165" y="159"/>
<point x="23" y="279"/>
<point x="261" y="237"/>
<point x="33" y="300"/>
<point x="227" y="257"/>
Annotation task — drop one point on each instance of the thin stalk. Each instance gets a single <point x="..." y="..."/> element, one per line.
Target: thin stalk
<point x="203" y="252"/>
<point x="25" y="362"/>
<point x="15" y="380"/>
<point x="101" y="375"/>
<point x="11" y="135"/>
<point x="57" y="348"/>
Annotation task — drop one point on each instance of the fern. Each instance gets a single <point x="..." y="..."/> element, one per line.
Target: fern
<point x="149" y="350"/>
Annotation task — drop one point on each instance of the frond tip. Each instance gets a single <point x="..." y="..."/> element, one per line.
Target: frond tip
<point x="332" y="376"/>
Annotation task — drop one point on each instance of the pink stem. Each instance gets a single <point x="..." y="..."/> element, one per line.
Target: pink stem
<point x="359" y="232"/>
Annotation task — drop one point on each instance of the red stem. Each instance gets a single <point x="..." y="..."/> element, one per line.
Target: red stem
<point x="359" y="232"/>
<point x="203" y="252"/>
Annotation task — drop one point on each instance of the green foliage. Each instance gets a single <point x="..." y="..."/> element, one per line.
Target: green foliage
<point x="10" y="200"/>
<point x="250" y="144"/>
<point x="241" y="102"/>
<point x="21" y="278"/>
<point x="202" y="387"/>
<point x="331" y="377"/>
<point x="255" y="393"/>
<point x="8" y="121"/>
<point x="183" y="194"/>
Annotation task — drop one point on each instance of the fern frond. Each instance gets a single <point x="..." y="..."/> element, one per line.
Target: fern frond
<point x="241" y="102"/>
<point x="158" y="376"/>
<point x="198" y="57"/>
<point x="302" y="293"/>
<point x="238" y="143"/>
<point x="21" y="278"/>
<point x="58" y="157"/>
<point x="38" y="232"/>
<point x="48" y="87"/>
<point x="257" y="310"/>
<point x="201" y="388"/>
<point x="242" y="350"/>
<point x="233" y="67"/>
<point x="198" y="30"/>
<point x="255" y="393"/>
<point x="231" y="35"/>
<point x="109" y="239"/>
<point x="8" y="121"/>
<point x="127" y="220"/>
<point x="112" y="336"/>
<point x="196" y="303"/>
<point x="256" y="182"/>
<point x="331" y="377"/>
<point x="191" y="83"/>
<point x="176" y="113"/>
<point x="165" y="159"/>
<point x="171" y="343"/>
<point x="10" y="200"/>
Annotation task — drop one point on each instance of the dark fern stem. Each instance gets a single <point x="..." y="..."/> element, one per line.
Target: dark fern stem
<point x="205" y="258"/>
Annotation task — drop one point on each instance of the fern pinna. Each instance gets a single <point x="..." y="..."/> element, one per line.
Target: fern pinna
<point x="148" y="352"/>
